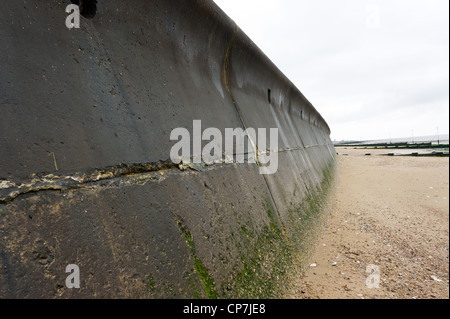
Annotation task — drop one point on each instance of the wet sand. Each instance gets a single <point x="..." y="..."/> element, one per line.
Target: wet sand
<point x="389" y="213"/>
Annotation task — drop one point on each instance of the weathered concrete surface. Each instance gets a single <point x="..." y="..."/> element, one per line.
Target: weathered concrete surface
<point x="86" y="117"/>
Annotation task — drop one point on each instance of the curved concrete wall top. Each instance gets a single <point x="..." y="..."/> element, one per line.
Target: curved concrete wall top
<point x="112" y="91"/>
<point x="253" y="71"/>
<point x="135" y="72"/>
<point x="88" y="113"/>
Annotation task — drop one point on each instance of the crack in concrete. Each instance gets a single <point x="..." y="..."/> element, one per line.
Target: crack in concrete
<point x="105" y="177"/>
<point x="135" y="174"/>
<point x="225" y="67"/>
<point x="10" y="190"/>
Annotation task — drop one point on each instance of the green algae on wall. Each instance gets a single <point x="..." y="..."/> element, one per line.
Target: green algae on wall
<point x="204" y="276"/>
<point x="280" y="254"/>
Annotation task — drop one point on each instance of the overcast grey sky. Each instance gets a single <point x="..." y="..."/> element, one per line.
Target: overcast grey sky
<point x="374" y="69"/>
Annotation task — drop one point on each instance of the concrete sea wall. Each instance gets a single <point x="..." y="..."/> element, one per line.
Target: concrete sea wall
<point x="85" y="177"/>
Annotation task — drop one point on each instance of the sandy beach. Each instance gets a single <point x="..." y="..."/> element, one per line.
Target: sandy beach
<point x="388" y="214"/>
